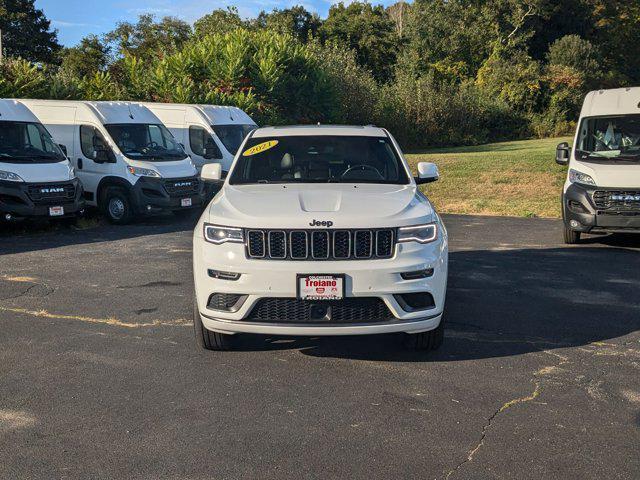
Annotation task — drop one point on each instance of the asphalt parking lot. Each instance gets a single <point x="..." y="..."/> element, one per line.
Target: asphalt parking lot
<point x="539" y="376"/>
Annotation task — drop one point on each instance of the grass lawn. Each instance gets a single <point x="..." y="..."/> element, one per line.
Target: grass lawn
<point x="517" y="178"/>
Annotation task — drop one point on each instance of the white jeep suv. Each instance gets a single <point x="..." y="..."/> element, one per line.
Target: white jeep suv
<point x="320" y="230"/>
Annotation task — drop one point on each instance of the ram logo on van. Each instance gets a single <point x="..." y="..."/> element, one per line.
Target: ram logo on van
<point x="626" y="197"/>
<point x="52" y="190"/>
<point x="321" y="223"/>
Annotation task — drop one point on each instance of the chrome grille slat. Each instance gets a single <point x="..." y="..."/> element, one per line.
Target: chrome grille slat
<point x="298" y="239"/>
<point x="320" y="244"/>
<point x="257" y="244"/>
<point x="277" y="244"/>
<point x="363" y="243"/>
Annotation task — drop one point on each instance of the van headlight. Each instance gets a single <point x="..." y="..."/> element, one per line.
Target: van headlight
<point x="418" y="233"/>
<point x="143" y="172"/>
<point x="10" y="177"/>
<point x="579" y="177"/>
<point x="218" y="234"/>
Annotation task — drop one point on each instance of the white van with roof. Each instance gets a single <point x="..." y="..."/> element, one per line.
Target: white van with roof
<point x="36" y="178"/>
<point x="127" y="160"/>
<point x="602" y="190"/>
<point x="209" y="133"/>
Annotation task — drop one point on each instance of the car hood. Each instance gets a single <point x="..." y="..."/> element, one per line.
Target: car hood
<point x="168" y="169"/>
<point x="299" y="205"/>
<point x="624" y="175"/>
<point x="40" y="172"/>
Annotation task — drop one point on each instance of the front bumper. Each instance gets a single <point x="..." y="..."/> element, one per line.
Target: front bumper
<point x="155" y="195"/>
<point x="23" y="199"/>
<point x="578" y="205"/>
<point x="264" y="279"/>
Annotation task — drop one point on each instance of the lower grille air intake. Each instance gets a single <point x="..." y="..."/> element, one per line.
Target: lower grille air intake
<point x="348" y="310"/>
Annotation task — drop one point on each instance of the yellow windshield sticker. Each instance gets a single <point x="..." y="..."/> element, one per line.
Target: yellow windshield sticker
<point x="261" y="147"/>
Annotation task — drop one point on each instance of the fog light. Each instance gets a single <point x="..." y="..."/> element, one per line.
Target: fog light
<point x="223" y="275"/>
<point x="7" y="217"/>
<point x="574" y="223"/>
<point x="149" y="208"/>
<point x="417" y="274"/>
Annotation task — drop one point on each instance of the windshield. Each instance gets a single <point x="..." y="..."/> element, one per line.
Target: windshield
<point x="232" y="136"/>
<point x="615" y="137"/>
<point x="140" y="141"/>
<point x="27" y="142"/>
<point x="319" y="159"/>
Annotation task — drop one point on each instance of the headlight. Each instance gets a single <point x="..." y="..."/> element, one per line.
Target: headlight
<point x="218" y="234"/>
<point x="579" y="177"/>
<point x="418" y="233"/>
<point x="143" y="172"/>
<point x="72" y="172"/>
<point x="10" y="176"/>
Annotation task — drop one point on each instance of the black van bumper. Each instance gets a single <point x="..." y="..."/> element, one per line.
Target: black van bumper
<point x="596" y="209"/>
<point x="22" y="200"/>
<point x="155" y="195"/>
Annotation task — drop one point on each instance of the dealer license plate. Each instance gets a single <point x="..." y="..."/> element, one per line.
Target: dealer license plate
<point x="321" y="287"/>
<point x="56" y="211"/>
<point x="185" y="202"/>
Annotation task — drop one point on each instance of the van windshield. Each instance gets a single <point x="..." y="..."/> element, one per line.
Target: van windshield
<point x="319" y="159"/>
<point x="232" y="136"/>
<point x="141" y="141"/>
<point x="610" y="138"/>
<point x="27" y="142"/>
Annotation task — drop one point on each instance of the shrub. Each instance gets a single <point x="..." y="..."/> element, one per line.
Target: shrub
<point x="22" y="79"/>
<point x="426" y="112"/>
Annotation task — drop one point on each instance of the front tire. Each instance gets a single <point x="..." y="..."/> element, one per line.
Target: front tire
<point x="571" y="237"/>
<point x="117" y="206"/>
<point x="426" y="341"/>
<point x="206" y="339"/>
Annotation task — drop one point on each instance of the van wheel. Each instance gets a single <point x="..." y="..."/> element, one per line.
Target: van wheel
<point x="426" y="341"/>
<point x="116" y="206"/>
<point x="571" y="237"/>
<point x="207" y="339"/>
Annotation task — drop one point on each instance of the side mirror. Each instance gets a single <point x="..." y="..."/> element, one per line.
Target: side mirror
<point x="563" y="152"/>
<point x="63" y="148"/>
<point x="427" y="173"/>
<point x="211" y="172"/>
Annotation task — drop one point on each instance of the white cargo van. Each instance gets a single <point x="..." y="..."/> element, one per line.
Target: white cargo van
<point x="209" y="133"/>
<point x="127" y="160"/>
<point x="36" y="178"/>
<point x="602" y="190"/>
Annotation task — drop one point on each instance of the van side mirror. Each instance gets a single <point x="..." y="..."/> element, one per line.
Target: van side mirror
<point x="63" y="148"/>
<point x="427" y="173"/>
<point x="563" y="152"/>
<point x="211" y="172"/>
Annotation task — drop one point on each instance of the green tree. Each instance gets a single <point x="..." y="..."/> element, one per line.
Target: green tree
<point x="366" y="29"/>
<point x="26" y="32"/>
<point x="86" y="58"/>
<point x="219" y="21"/>
<point x="296" y="21"/>
<point x="148" y="39"/>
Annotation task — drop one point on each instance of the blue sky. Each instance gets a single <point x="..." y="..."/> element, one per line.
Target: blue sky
<point x="76" y="18"/>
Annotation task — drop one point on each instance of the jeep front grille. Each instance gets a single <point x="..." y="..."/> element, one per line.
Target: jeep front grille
<point x="617" y="200"/>
<point x="320" y="244"/>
